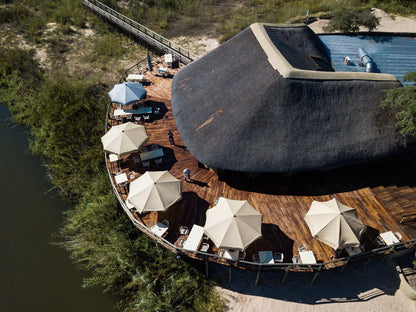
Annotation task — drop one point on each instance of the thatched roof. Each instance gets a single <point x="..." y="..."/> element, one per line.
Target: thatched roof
<point x="235" y="110"/>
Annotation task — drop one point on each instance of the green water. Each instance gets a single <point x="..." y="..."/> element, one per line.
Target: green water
<point x="34" y="275"/>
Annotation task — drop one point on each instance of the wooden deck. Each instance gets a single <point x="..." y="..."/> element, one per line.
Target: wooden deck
<point x="381" y="192"/>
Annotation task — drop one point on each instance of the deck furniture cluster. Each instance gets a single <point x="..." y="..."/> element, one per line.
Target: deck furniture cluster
<point x="286" y="242"/>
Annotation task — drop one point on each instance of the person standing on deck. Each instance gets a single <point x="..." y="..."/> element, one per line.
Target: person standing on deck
<point x="187" y="175"/>
<point x="171" y="139"/>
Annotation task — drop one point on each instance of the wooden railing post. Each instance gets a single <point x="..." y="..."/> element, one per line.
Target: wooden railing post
<point x="285" y="276"/>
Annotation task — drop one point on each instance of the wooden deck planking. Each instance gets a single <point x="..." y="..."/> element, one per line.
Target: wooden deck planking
<point x="379" y="202"/>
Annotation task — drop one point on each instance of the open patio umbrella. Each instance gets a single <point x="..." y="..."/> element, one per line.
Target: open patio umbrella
<point x="335" y="224"/>
<point x="233" y="224"/>
<point x="155" y="191"/>
<point x="124" y="138"/>
<point x="128" y="92"/>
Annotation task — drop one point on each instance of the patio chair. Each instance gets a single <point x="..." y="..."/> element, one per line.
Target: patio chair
<point x="159" y="161"/>
<point x="204" y="247"/>
<point x="379" y="241"/>
<point x="181" y="242"/>
<point x="129" y="117"/>
<point x="156" y="111"/>
<point x="146" y="118"/>
<point x="256" y="258"/>
<point x="278" y="257"/>
<point x="165" y="223"/>
<point x="398" y="235"/>
<point x="146" y="164"/>
<point x="137" y="118"/>
<point x="302" y="247"/>
<point x="183" y="230"/>
<point x="296" y="259"/>
<point x="241" y="255"/>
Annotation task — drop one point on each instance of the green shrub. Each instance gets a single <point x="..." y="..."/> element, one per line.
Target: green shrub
<point x="348" y="20"/>
<point x="403" y="100"/>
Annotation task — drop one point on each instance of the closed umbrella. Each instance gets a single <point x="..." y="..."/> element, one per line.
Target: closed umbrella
<point x="128" y="92"/>
<point x="233" y="224"/>
<point x="124" y="139"/>
<point x="155" y="191"/>
<point x="335" y="224"/>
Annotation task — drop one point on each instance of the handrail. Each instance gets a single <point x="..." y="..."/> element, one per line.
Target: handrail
<point x="154" y="39"/>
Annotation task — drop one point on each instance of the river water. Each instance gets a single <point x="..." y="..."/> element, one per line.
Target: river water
<point x="35" y="275"/>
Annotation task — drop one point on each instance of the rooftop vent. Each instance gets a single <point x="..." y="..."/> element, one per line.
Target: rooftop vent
<point x="366" y="61"/>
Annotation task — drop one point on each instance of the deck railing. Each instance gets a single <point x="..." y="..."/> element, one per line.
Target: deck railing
<point x="141" y="32"/>
<point x="242" y="264"/>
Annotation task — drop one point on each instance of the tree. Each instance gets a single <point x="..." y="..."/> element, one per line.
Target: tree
<point x="351" y="21"/>
<point x="404" y="100"/>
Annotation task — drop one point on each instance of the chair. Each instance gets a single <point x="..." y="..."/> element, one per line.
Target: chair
<point x="256" y="258"/>
<point x="302" y="247"/>
<point x="118" y="118"/>
<point x="146" y="118"/>
<point x="129" y="117"/>
<point x="181" y="242"/>
<point x="398" y="235"/>
<point x="278" y="257"/>
<point x="159" y="161"/>
<point x="146" y="164"/>
<point x="242" y="255"/>
<point x="296" y="259"/>
<point x="137" y="118"/>
<point x="204" y="247"/>
<point x="165" y="223"/>
<point x="221" y="252"/>
<point x="183" y="230"/>
<point x="117" y="170"/>
<point x="379" y="241"/>
<point x="156" y="111"/>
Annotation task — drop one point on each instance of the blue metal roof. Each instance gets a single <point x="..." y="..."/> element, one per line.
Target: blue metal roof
<point x="392" y="54"/>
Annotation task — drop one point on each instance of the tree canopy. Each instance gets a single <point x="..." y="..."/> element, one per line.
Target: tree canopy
<point x="404" y="101"/>
<point x="348" y="20"/>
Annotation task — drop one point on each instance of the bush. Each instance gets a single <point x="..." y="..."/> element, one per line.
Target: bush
<point x="350" y="21"/>
<point x="403" y="100"/>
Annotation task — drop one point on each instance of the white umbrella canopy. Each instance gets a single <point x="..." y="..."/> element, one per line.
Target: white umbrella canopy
<point x="233" y="224"/>
<point x="124" y="139"/>
<point x="155" y="191"/>
<point x="335" y="224"/>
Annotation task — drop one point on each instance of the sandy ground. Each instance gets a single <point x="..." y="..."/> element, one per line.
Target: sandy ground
<point x="372" y="289"/>
<point x="388" y="23"/>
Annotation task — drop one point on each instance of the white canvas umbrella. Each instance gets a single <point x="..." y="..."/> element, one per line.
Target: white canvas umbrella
<point x="335" y="224"/>
<point x="155" y="191"/>
<point x="124" y="138"/>
<point x="233" y="224"/>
